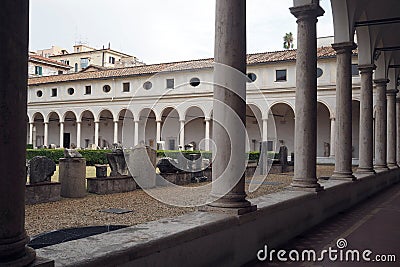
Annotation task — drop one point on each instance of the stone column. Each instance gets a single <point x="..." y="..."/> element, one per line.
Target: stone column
<point x="333" y="134"/>
<point x="343" y="158"/>
<point x="115" y="132"/>
<point x="229" y="106"/>
<point x="96" y="133"/>
<point x="380" y="125"/>
<point x="207" y="135"/>
<point x="46" y="134"/>
<point x="366" y="158"/>
<point x="305" y="150"/>
<point x="78" y="134"/>
<point x="31" y="133"/>
<point x="136" y="135"/>
<point x="158" y="133"/>
<point x="182" y="134"/>
<point x="13" y="109"/>
<point x="61" y="134"/>
<point x="265" y="130"/>
<point x="391" y="128"/>
<point x="398" y="131"/>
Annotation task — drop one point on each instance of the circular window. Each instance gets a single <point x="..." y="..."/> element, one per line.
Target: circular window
<point x="195" y="82"/>
<point x="147" y="85"/>
<point x="251" y="77"/>
<point x="319" y="72"/>
<point x="39" y="93"/>
<point x="106" y="88"/>
<point x="71" y="91"/>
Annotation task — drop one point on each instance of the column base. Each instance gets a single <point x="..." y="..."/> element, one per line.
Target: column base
<point x="393" y="166"/>
<point x="381" y="168"/>
<point x="230" y="201"/>
<point x="301" y="185"/>
<point x="228" y="210"/>
<point x="26" y="259"/>
<point x="365" y="170"/>
<point x="346" y="176"/>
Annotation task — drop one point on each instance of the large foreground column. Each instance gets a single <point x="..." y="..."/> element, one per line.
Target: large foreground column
<point x="380" y="125"/>
<point x="13" y="103"/>
<point x="306" y="98"/>
<point x="366" y="158"/>
<point x="344" y="125"/>
<point x="391" y="128"/>
<point x="229" y="107"/>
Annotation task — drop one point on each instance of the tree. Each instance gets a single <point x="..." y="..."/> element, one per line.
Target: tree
<point x="288" y="40"/>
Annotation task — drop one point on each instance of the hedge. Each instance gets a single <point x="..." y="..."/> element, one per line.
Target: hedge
<point x="92" y="156"/>
<point x="99" y="156"/>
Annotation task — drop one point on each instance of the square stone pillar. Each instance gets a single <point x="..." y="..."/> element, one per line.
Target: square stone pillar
<point x="305" y="177"/>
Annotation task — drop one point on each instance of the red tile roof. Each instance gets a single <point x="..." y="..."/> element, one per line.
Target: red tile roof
<point x="268" y="57"/>
<point x="45" y="60"/>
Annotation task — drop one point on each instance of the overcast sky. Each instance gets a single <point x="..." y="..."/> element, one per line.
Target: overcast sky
<point x="158" y="30"/>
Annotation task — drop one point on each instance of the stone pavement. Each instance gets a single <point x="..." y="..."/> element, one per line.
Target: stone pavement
<point x="373" y="224"/>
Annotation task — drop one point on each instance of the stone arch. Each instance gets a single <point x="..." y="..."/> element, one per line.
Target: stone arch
<point x="253" y="127"/>
<point x="195" y="127"/>
<point x="106" y="128"/>
<point x="283" y="120"/>
<point x="147" y="127"/>
<point x="170" y="128"/>
<point x="87" y="119"/>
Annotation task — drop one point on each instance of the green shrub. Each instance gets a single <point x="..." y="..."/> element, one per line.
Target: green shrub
<point x="29" y="146"/>
<point x="92" y="156"/>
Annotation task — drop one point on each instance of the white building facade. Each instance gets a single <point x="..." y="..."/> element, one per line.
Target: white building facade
<point x="171" y="105"/>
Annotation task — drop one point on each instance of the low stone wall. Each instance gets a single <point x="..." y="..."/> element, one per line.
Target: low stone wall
<point x="110" y="185"/>
<point x="42" y="193"/>
<point x="219" y="239"/>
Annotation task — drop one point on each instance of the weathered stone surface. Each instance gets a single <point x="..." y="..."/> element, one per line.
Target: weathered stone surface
<point x="117" y="162"/>
<point x="72" y="177"/>
<point x="110" y="185"/>
<point x="141" y="167"/>
<point x="72" y="153"/>
<point x="41" y="169"/>
<point x="42" y="193"/>
<point x="101" y="171"/>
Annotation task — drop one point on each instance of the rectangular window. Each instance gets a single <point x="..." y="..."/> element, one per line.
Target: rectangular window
<point x="126" y="87"/>
<point x="60" y="72"/>
<point x="54" y="92"/>
<point x="111" y="60"/>
<point x="354" y="70"/>
<point x="270" y="145"/>
<point x="281" y="75"/>
<point x="38" y="70"/>
<point x="84" y="63"/>
<point x="170" y="83"/>
<point x="88" y="90"/>
<point x="171" y="144"/>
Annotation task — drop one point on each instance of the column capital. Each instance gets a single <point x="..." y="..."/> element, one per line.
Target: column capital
<point x="136" y="121"/>
<point x="392" y="92"/>
<point x="207" y="119"/>
<point x="46" y="122"/>
<point x="182" y="121"/>
<point x="366" y="68"/>
<point x="78" y="121"/>
<point x="344" y="47"/>
<point x="265" y="118"/>
<point x="97" y="122"/>
<point x="61" y="122"/>
<point x="381" y="81"/>
<point x="332" y="118"/>
<point x="307" y="11"/>
<point x="159" y="121"/>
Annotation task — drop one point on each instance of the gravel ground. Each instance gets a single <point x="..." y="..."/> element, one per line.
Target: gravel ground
<point x="85" y="212"/>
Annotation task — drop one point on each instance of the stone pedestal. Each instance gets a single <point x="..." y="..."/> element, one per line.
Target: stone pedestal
<point x="73" y="177"/>
<point x="42" y="193"/>
<point x="101" y="171"/>
<point x="110" y="185"/>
